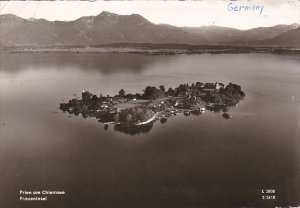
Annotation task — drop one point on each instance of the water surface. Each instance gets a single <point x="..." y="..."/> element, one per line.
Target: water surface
<point x="193" y="161"/>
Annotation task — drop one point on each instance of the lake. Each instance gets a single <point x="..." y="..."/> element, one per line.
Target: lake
<point x="189" y="161"/>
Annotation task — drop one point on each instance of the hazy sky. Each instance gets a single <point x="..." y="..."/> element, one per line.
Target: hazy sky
<point x="178" y="13"/>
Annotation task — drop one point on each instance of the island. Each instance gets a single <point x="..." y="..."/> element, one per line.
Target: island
<point x="135" y="113"/>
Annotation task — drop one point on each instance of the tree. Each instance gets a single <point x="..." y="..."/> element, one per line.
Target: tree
<point x="162" y="88"/>
<point x="129" y="117"/>
<point x="116" y="117"/>
<point x="122" y="93"/>
<point x="146" y="114"/>
<point x="86" y="95"/>
<point x="94" y="98"/>
<point x="157" y="94"/>
<point x="170" y="92"/>
<point x="148" y="92"/>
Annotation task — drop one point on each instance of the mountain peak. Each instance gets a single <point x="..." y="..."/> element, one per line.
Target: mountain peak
<point x="137" y="15"/>
<point x="106" y="13"/>
<point x="138" y="19"/>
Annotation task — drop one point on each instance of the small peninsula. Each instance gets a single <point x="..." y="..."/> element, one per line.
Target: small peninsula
<point x="126" y="111"/>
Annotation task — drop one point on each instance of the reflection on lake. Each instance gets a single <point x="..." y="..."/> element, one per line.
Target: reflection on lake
<point x="133" y="129"/>
<point x="186" y="161"/>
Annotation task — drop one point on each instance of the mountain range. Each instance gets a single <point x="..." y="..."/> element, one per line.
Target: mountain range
<point x="108" y="28"/>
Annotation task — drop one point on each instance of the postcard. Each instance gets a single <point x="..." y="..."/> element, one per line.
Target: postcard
<point x="149" y="104"/>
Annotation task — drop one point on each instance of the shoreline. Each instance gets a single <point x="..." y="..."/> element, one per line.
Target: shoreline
<point x="154" y="49"/>
<point x="153" y="118"/>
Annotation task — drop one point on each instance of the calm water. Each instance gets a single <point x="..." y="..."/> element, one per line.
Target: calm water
<point x="189" y="161"/>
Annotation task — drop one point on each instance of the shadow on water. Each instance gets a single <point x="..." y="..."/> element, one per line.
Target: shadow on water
<point x="129" y="127"/>
<point x="133" y="129"/>
<point x="105" y="63"/>
<point x="163" y="120"/>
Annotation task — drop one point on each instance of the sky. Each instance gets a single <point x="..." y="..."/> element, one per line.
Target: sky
<point x="228" y="13"/>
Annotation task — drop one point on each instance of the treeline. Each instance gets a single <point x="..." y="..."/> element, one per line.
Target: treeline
<point x="130" y="115"/>
<point x="208" y="92"/>
<point x="232" y="93"/>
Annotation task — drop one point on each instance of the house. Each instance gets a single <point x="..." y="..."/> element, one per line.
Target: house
<point x="104" y="106"/>
<point x="115" y="110"/>
<point x="212" y="87"/>
<point x="219" y="86"/>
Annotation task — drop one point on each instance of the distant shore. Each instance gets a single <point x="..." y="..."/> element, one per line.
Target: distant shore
<point x="154" y="49"/>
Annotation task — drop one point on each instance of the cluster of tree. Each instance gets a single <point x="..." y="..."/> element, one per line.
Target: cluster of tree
<point x="105" y="116"/>
<point x="194" y="89"/>
<point x="197" y="89"/>
<point x="88" y="103"/>
<point x="152" y="93"/>
<point x="134" y="115"/>
<point x="192" y="102"/>
<point x="131" y="115"/>
<point x="230" y="94"/>
<point x="86" y="95"/>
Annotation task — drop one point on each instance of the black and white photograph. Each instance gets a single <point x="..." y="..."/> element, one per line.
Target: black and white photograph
<point x="150" y="104"/>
